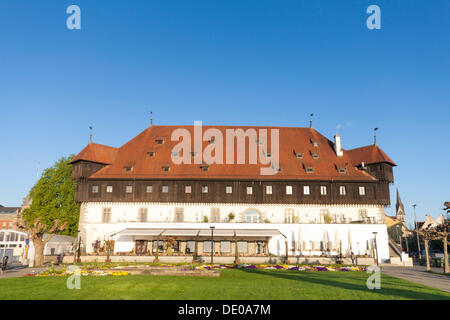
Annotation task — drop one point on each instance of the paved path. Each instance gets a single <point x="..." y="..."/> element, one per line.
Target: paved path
<point x="18" y="271"/>
<point x="418" y="274"/>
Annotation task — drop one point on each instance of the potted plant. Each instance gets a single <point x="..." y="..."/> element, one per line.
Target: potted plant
<point x="231" y="216"/>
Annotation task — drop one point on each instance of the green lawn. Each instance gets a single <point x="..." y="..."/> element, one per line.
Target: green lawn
<point x="233" y="285"/>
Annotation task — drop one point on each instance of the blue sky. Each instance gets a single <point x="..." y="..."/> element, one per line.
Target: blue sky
<point x="227" y="62"/>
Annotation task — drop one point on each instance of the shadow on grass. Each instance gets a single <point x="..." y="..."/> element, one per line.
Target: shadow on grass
<point x="315" y="277"/>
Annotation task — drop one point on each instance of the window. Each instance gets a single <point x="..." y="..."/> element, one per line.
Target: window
<point x="207" y="246"/>
<point x="109" y="189"/>
<point x="323" y="190"/>
<point x="149" y="189"/>
<point x="315" y="155"/>
<point x="225" y="246"/>
<point x="128" y="168"/>
<point x="190" y="246"/>
<point x="204" y="189"/>
<point x="362" y="191"/>
<point x="151" y="154"/>
<point x="215" y="215"/>
<point x="268" y="189"/>
<point x="187" y="189"/>
<point x="342" y="190"/>
<point x="306" y="190"/>
<point x="228" y="189"/>
<point x="204" y="168"/>
<point x="289" y="216"/>
<point x="94" y="189"/>
<point x="165" y="189"/>
<point x="159" y="141"/>
<point x="249" y="190"/>
<point x="142" y="214"/>
<point x="106" y="218"/>
<point x="175" y="153"/>
<point x="128" y="189"/>
<point x="314" y="143"/>
<point x="179" y="213"/>
<point x="288" y="189"/>
<point x="86" y="165"/>
<point x="160" y="245"/>
<point x="260" y="247"/>
<point x="166" y="168"/>
<point x="308" y="168"/>
<point x="252" y="216"/>
<point x="242" y="246"/>
<point x="299" y="155"/>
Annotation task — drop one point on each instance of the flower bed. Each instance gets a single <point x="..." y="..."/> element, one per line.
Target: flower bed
<point x="283" y="267"/>
<point x="121" y="270"/>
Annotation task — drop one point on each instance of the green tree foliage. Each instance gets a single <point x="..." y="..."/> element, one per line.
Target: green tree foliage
<point x="53" y="197"/>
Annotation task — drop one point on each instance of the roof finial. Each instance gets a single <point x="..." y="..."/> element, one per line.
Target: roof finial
<point x="375" y="137"/>
<point x="310" y="119"/>
<point x="90" y="135"/>
<point x="151" y="118"/>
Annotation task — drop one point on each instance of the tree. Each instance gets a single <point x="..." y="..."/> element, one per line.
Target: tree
<point x="438" y="229"/>
<point x="53" y="209"/>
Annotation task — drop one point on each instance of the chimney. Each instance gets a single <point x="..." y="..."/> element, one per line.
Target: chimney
<point x="338" y="146"/>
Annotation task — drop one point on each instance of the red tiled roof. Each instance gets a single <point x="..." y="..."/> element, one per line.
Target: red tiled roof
<point x="369" y="155"/>
<point x="135" y="154"/>
<point x="96" y="153"/>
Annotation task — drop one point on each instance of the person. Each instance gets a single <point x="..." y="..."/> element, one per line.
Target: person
<point x="353" y="257"/>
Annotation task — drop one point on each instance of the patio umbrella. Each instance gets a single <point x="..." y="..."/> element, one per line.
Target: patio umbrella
<point x="300" y="243"/>
<point x="336" y="239"/>
<point x="350" y="240"/>
<point x="325" y="240"/>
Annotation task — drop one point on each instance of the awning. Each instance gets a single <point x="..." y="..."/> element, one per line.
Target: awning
<point x="192" y="232"/>
<point x="140" y="232"/>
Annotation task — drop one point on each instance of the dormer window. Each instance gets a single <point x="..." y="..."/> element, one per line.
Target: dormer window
<point x="342" y="170"/>
<point x="204" y="168"/>
<point x="128" y="168"/>
<point x="151" y="154"/>
<point x="166" y="168"/>
<point x="308" y="168"/>
<point x="314" y="143"/>
<point x="159" y="141"/>
<point x="314" y="155"/>
<point x="299" y="155"/>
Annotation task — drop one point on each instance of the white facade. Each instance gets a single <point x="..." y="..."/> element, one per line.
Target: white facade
<point x="304" y="226"/>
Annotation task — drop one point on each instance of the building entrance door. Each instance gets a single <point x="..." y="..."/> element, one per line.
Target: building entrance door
<point x="141" y="247"/>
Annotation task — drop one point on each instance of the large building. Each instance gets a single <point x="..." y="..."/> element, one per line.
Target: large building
<point x="319" y="200"/>
<point x="8" y="217"/>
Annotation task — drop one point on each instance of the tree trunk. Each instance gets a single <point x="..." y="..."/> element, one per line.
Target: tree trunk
<point x="39" y="247"/>
<point x="427" y="256"/>
<point x="446" y="267"/>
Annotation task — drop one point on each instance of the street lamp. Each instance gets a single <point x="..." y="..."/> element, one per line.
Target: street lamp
<point x="375" y="244"/>
<point x="212" y="243"/>
<point x="416" y="229"/>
